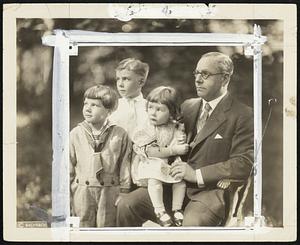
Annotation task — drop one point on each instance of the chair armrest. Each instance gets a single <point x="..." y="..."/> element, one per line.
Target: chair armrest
<point x="235" y="196"/>
<point x="226" y="183"/>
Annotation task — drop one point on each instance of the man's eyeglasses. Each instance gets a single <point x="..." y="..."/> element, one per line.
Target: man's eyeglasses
<point x="205" y="74"/>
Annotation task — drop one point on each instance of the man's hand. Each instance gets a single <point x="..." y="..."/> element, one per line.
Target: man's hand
<point x="181" y="170"/>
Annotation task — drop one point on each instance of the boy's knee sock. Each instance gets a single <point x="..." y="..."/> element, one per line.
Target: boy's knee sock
<point x="155" y="191"/>
<point x="178" y="195"/>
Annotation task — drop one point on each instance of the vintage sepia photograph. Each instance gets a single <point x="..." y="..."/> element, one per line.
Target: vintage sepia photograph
<point x="150" y="124"/>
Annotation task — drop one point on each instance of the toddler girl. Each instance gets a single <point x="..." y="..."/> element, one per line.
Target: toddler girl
<point x="158" y="145"/>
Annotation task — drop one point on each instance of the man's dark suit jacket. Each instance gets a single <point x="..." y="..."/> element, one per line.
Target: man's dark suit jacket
<point x="223" y="149"/>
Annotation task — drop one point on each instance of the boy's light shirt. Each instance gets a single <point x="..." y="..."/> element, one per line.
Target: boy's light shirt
<point x="131" y="114"/>
<point x="213" y="104"/>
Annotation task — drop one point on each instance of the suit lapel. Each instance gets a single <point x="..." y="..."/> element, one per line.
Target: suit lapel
<point x="214" y="121"/>
<point x="191" y="116"/>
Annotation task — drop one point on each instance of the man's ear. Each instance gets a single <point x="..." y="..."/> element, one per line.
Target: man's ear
<point x="142" y="81"/>
<point x="226" y="79"/>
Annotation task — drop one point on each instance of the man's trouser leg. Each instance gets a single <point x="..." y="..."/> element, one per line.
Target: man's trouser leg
<point x="198" y="214"/>
<point x="136" y="207"/>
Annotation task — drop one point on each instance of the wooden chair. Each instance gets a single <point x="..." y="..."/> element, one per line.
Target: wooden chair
<point x="235" y="196"/>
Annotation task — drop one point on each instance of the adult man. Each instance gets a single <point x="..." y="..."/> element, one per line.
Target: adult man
<point x="220" y="134"/>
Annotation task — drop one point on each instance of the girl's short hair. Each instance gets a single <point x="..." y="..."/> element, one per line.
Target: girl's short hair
<point x="166" y="96"/>
<point x="105" y="94"/>
<point x="135" y="65"/>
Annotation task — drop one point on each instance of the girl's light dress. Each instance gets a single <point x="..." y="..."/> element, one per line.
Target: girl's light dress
<point x="145" y="167"/>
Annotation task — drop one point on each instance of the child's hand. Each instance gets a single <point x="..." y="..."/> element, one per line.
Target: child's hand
<point x="181" y="139"/>
<point x="180" y="149"/>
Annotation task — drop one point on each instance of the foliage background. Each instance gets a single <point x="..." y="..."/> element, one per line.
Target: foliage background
<point x="168" y="66"/>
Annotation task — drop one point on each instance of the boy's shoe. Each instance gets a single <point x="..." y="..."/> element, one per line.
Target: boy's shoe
<point x="163" y="219"/>
<point x="178" y="217"/>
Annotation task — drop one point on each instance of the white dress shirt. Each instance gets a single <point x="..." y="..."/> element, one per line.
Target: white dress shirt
<point x="213" y="104"/>
<point x="131" y="114"/>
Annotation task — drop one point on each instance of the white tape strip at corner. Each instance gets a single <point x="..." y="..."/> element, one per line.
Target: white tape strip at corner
<point x="63" y="233"/>
<point x="60" y="139"/>
<point x="126" y="12"/>
<point x="257" y="100"/>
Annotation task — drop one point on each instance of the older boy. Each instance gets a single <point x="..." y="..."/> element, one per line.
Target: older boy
<point x="131" y="75"/>
<point x="131" y="114"/>
<point x="100" y="154"/>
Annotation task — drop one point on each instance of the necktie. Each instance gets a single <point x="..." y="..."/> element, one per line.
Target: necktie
<point x="202" y="119"/>
<point x="131" y="103"/>
<point x="132" y="117"/>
